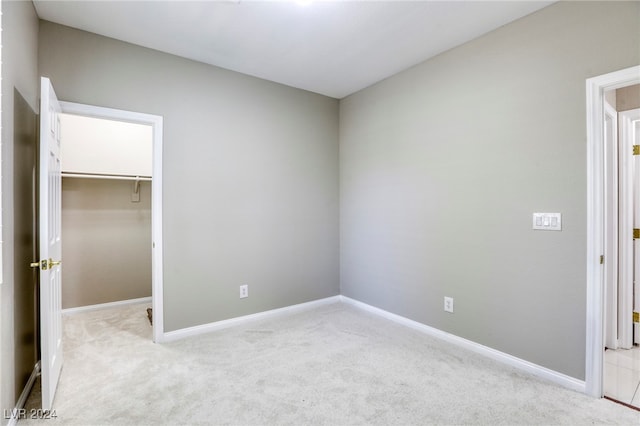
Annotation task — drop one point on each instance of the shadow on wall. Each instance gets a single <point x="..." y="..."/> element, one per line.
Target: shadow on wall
<point x="25" y="239"/>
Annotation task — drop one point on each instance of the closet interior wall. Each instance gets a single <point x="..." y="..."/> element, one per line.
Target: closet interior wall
<point x="627" y="98"/>
<point x="106" y="244"/>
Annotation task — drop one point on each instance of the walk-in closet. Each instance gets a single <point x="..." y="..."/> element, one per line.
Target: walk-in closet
<point x="106" y="210"/>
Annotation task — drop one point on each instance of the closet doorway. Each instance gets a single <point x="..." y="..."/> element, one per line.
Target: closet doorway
<point x="111" y="208"/>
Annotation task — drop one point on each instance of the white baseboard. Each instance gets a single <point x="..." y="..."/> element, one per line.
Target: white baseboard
<point x="529" y="367"/>
<point x="24" y="395"/>
<point x="219" y="325"/>
<point x="71" y="311"/>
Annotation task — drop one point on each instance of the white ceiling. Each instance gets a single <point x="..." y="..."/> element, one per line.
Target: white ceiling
<point x="334" y="48"/>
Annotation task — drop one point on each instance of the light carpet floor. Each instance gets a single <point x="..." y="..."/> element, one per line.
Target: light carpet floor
<point x="331" y="365"/>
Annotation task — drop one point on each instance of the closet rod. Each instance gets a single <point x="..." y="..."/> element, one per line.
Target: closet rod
<point x="104" y="176"/>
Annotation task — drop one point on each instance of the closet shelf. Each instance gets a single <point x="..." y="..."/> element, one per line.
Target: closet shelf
<point x="105" y="176"/>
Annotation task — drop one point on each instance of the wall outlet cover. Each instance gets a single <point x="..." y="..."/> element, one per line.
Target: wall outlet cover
<point x="448" y="304"/>
<point x="244" y="291"/>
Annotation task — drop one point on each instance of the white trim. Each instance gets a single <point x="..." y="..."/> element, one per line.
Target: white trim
<point x="219" y="325"/>
<point x="611" y="228"/>
<point x="595" y="88"/>
<point x="100" y="306"/>
<point x="24" y="395"/>
<point x="1" y="143"/>
<point x="156" y="122"/>
<point x="529" y="367"/>
<point x="109" y="113"/>
<point x="157" y="284"/>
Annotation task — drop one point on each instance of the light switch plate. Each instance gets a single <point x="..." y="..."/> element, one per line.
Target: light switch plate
<point x="547" y="221"/>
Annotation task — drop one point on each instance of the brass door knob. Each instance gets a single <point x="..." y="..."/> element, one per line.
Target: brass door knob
<point x="53" y="263"/>
<point x="46" y="264"/>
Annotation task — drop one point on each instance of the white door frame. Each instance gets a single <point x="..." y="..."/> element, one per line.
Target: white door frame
<point x="156" y="197"/>
<point x="610" y="145"/>
<point x="596" y="87"/>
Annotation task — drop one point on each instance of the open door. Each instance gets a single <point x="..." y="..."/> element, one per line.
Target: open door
<point x="636" y="230"/>
<point x="629" y="294"/>
<point x="50" y="185"/>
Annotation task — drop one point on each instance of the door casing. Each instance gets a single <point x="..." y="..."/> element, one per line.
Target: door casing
<point x="156" y="122"/>
<point x="596" y="244"/>
<point x="611" y="226"/>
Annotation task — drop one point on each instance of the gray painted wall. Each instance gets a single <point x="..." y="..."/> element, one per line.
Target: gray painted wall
<point x="106" y="242"/>
<point x="442" y="166"/>
<point x="25" y="152"/>
<point x="250" y="173"/>
<point x="19" y="72"/>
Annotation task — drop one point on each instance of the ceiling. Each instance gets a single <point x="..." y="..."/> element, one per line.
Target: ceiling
<point x="334" y="48"/>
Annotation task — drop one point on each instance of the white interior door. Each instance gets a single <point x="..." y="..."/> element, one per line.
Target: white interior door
<point x="636" y="225"/>
<point x="50" y="183"/>
<point x="629" y="271"/>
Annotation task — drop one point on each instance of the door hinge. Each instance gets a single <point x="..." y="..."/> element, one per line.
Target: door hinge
<point x="636" y="150"/>
<point x="602" y="259"/>
<point x="636" y="233"/>
<point x="636" y="317"/>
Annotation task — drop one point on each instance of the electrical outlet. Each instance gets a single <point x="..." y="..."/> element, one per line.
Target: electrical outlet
<point x="448" y="304"/>
<point x="244" y="291"/>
